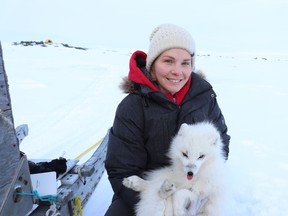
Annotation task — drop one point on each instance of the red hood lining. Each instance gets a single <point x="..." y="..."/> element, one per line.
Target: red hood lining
<point x="136" y="75"/>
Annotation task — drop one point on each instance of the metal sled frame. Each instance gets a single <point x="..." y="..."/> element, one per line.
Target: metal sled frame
<point x="79" y="182"/>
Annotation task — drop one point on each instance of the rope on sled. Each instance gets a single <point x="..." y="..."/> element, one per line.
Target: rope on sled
<point x="78" y="206"/>
<point x="52" y="211"/>
<point x="45" y="198"/>
<point x="89" y="149"/>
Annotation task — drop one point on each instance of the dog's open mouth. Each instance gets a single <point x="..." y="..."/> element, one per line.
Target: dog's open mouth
<point x="189" y="175"/>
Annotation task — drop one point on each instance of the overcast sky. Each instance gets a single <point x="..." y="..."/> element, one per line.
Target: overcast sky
<point x="128" y="23"/>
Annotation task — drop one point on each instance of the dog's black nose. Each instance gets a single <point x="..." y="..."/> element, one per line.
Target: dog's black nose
<point x="190" y="173"/>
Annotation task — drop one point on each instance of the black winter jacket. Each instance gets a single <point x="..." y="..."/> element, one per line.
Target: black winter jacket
<point x="144" y="124"/>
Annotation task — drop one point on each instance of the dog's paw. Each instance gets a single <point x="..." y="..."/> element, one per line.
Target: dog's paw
<point x="134" y="182"/>
<point x="197" y="206"/>
<point x="167" y="188"/>
<point x="129" y="182"/>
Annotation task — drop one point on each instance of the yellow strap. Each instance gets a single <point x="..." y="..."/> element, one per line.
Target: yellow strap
<point x="89" y="149"/>
<point x="78" y="208"/>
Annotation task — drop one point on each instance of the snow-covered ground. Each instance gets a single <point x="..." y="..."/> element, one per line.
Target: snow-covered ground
<point x="68" y="98"/>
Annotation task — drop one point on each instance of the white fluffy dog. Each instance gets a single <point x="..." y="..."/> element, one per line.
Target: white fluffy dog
<point x="194" y="184"/>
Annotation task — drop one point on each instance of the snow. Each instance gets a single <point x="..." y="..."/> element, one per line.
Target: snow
<point x="68" y="97"/>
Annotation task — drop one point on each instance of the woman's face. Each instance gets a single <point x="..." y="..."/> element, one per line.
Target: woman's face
<point x="172" y="70"/>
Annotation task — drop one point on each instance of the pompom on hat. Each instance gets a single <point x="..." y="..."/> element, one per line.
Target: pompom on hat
<point x="169" y="36"/>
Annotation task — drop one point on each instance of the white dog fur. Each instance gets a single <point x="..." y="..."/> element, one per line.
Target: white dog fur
<point x="194" y="184"/>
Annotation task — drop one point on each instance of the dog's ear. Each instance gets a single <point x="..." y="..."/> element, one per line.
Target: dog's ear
<point x="213" y="138"/>
<point x="183" y="128"/>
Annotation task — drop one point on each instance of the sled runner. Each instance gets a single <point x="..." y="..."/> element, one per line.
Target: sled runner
<point x="17" y="195"/>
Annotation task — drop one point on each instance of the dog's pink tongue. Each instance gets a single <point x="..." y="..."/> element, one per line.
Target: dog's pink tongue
<point x="189" y="175"/>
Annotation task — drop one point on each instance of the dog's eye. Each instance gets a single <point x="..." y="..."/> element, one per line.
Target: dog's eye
<point x="184" y="154"/>
<point x="201" y="156"/>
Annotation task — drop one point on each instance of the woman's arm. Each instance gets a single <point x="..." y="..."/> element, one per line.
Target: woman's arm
<point x="126" y="155"/>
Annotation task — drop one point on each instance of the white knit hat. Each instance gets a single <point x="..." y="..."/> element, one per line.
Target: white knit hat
<point x="169" y="36"/>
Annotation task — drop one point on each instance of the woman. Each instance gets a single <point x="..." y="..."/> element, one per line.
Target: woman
<point x="163" y="92"/>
